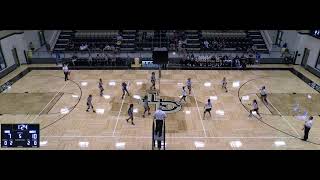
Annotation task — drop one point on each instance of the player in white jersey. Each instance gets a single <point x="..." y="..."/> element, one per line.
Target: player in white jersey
<point x="184" y="95"/>
<point x="255" y="108"/>
<point x="189" y="85"/>
<point x="224" y="84"/>
<point x="207" y="108"/>
<point x="101" y="87"/>
<point x="153" y="80"/>
<point x="263" y="93"/>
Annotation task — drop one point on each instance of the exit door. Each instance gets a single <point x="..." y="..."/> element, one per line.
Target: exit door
<point x="305" y="57"/>
<point x="15" y="56"/>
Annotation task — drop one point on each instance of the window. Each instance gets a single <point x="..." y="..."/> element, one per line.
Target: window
<point x="3" y="64"/>
<point x="318" y="61"/>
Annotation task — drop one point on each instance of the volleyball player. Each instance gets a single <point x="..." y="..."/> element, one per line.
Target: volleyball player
<point x="184" y="95"/>
<point x="207" y="108"/>
<point x="224" y="84"/>
<point x="101" y="87"/>
<point x="89" y="104"/>
<point x="130" y="114"/>
<point x="124" y="89"/>
<point x="263" y="93"/>
<point x="189" y="85"/>
<point x="255" y="108"/>
<point x="146" y="106"/>
<point x="153" y="80"/>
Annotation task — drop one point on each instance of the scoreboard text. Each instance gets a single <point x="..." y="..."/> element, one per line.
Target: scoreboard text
<point x="20" y="135"/>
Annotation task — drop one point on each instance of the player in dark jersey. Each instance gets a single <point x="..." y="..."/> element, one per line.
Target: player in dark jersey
<point x="153" y="81"/>
<point x="124" y="89"/>
<point x="189" y="85"/>
<point x="101" y="87"/>
<point x="146" y="106"/>
<point x="224" y="84"/>
<point x="89" y="104"/>
<point x="130" y="114"/>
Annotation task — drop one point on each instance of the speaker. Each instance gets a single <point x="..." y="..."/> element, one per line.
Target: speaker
<point x="160" y="56"/>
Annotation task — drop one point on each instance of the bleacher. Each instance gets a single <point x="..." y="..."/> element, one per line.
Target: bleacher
<point x="146" y="40"/>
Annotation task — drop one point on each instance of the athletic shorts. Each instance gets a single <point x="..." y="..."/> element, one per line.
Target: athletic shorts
<point x="256" y="109"/>
<point x="264" y="96"/>
<point x="208" y="110"/>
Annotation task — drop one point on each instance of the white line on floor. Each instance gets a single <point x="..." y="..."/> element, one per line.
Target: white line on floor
<point x="115" y="127"/>
<point x="194" y="96"/>
<point x="49" y="102"/>
<point x="294" y="129"/>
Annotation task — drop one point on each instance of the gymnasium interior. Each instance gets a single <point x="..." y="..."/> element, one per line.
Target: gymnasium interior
<point x="40" y="110"/>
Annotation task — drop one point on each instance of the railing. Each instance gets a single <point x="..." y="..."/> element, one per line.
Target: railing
<point x="267" y="39"/>
<point x="54" y="39"/>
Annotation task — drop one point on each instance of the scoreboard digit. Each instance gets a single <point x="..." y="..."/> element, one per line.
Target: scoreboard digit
<point x="20" y="136"/>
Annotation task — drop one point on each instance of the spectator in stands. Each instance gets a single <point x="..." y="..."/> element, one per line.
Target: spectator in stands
<point x="107" y="48"/>
<point x="206" y="44"/>
<point x="284" y="49"/>
<point x="31" y="46"/>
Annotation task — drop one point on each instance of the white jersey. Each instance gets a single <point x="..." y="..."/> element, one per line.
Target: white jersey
<point x="65" y="69"/>
<point x="308" y="123"/>
<point x="208" y="105"/>
<point x="263" y="92"/>
<point x="255" y="105"/>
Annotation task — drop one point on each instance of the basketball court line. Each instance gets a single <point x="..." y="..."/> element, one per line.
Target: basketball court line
<point x="294" y="129"/>
<point x="37" y="116"/>
<point x="194" y="96"/>
<point x="115" y="127"/>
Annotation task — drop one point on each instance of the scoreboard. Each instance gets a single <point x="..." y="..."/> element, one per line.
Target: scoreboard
<point x="20" y="136"/>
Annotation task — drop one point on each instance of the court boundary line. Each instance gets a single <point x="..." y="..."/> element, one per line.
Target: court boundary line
<point x="289" y="124"/>
<point x="115" y="127"/>
<point x="194" y="96"/>
<point x="37" y="116"/>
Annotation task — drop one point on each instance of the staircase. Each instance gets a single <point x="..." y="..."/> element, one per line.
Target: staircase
<point x="193" y="40"/>
<point x="63" y="39"/>
<point x="258" y="41"/>
<point x="128" y="40"/>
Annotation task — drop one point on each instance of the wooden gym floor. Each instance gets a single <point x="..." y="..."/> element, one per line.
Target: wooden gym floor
<point x="59" y="107"/>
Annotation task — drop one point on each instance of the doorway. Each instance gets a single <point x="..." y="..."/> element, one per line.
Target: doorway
<point x="305" y="57"/>
<point x="15" y="56"/>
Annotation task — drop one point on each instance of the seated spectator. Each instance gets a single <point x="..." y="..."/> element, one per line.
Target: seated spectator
<point x="206" y="44"/>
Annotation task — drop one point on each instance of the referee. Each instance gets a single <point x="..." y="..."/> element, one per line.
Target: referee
<point x="159" y="116"/>
<point x="66" y="72"/>
<point x="307" y="127"/>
